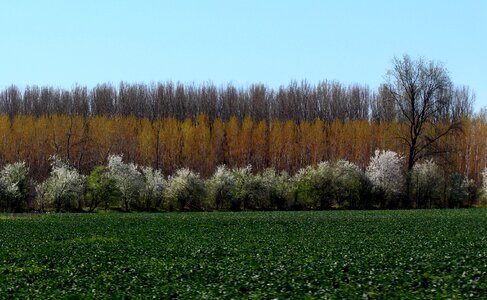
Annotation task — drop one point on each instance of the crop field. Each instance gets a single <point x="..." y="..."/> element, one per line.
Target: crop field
<point x="330" y="254"/>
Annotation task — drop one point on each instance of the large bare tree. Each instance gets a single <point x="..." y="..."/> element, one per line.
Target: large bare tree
<point x="422" y="93"/>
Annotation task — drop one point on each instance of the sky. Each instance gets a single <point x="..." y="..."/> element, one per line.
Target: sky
<point x="63" y="43"/>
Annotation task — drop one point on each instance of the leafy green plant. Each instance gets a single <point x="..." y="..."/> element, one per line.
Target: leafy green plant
<point x="101" y="189"/>
<point x="268" y="255"/>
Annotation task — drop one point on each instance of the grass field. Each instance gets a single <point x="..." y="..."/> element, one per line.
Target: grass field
<point x="349" y="254"/>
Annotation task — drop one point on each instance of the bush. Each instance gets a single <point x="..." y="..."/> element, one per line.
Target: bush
<point x="385" y="172"/>
<point x="101" y="189"/>
<point x="185" y="190"/>
<point x="427" y="184"/>
<point x="221" y="189"/>
<point x="350" y="184"/>
<point x="327" y="185"/>
<point x="14" y="186"/>
<point x="314" y="186"/>
<point x="154" y="186"/>
<point x="128" y="180"/>
<point x="461" y="190"/>
<point x="63" y="189"/>
<point x="279" y="188"/>
<point x="252" y="191"/>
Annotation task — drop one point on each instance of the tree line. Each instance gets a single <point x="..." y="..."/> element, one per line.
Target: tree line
<point x="326" y="100"/>
<point x="202" y="145"/>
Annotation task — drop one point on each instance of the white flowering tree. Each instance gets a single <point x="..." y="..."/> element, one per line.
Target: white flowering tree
<point x="63" y="189"/>
<point x="185" y="190"/>
<point x="221" y="188"/>
<point x="154" y="186"/>
<point x="14" y="186"/>
<point x="427" y="183"/>
<point x="385" y="171"/>
<point x="252" y="191"/>
<point x="128" y="180"/>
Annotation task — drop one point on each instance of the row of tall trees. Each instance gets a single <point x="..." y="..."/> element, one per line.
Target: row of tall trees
<point x="327" y="100"/>
<point x="202" y="145"/>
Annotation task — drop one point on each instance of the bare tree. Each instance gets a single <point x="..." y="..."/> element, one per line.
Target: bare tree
<point x="421" y="91"/>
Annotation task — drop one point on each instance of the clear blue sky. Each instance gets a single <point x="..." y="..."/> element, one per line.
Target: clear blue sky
<point x="61" y="43"/>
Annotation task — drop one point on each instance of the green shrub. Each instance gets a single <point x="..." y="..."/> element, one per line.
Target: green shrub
<point x="221" y="189"/>
<point x="101" y="189"/>
<point x="185" y="191"/>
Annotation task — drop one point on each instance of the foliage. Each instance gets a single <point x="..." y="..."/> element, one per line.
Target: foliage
<point x="154" y="187"/>
<point x="185" y="190"/>
<point x="326" y="185"/>
<point x="315" y="186"/>
<point x="280" y="188"/>
<point x="221" y="189"/>
<point x="14" y="186"/>
<point x="460" y="191"/>
<point x="252" y="191"/>
<point x="350" y="184"/>
<point x="483" y="190"/>
<point x="427" y="184"/>
<point x="283" y="145"/>
<point x="63" y="189"/>
<point x="101" y="189"/>
<point x="268" y="255"/>
<point x="128" y="180"/>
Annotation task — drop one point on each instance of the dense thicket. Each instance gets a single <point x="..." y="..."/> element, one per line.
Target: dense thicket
<point x="327" y="101"/>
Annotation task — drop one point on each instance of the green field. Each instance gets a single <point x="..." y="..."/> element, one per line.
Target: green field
<point x="349" y="254"/>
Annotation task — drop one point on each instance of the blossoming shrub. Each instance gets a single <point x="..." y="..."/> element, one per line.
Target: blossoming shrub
<point x="185" y="191"/>
<point x="461" y="191"/>
<point x="14" y="187"/>
<point x="63" y="189"/>
<point x="252" y="191"/>
<point x="427" y="185"/>
<point x="154" y="187"/>
<point x="128" y="180"/>
<point x="386" y="174"/>
<point x="221" y="189"/>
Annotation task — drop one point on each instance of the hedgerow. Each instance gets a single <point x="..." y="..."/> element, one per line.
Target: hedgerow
<point x="326" y="185"/>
